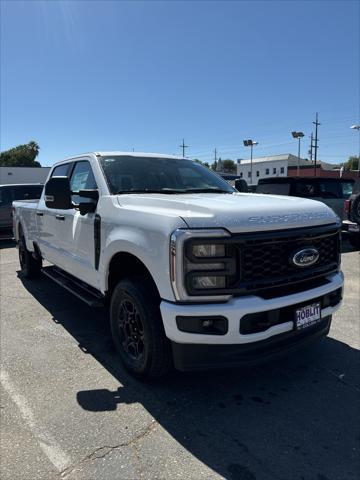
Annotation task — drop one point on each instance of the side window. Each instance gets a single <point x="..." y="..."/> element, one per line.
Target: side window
<point x="305" y="189"/>
<point x="28" y="192"/>
<point x="274" y="188"/>
<point x="5" y="196"/>
<point x="330" y="190"/>
<point x="347" y="189"/>
<point x="81" y="178"/>
<point x="61" y="170"/>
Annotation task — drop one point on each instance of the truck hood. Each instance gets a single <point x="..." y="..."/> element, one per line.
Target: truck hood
<point x="238" y="212"/>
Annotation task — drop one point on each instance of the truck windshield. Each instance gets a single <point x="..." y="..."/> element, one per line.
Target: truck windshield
<point x="128" y="174"/>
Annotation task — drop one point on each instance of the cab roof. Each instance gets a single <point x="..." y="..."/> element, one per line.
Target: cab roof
<point x="120" y="153"/>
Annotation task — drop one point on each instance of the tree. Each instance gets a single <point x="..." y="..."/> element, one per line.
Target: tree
<point x="21" y="156"/>
<point x="352" y="163"/>
<point x="229" y="166"/>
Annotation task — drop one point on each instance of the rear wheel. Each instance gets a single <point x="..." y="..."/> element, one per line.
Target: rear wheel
<point x="137" y="329"/>
<point x="30" y="266"/>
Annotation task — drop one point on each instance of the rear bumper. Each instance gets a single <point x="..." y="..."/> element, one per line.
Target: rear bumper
<point x="350" y="227"/>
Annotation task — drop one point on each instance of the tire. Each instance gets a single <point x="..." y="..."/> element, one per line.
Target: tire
<point x="30" y="266"/>
<point x="137" y="329"/>
<point x="354" y="240"/>
<point x="355" y="209"/>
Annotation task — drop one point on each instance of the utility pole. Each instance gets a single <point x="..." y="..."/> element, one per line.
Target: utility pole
<point x="311" y="146"/>
<point x="316" y="123"/>
<point x="183" y="146"/>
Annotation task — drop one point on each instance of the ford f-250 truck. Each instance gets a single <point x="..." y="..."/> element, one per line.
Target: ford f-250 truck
<point x="194" y="274"/>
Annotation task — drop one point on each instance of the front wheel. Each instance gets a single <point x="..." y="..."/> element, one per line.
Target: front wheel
<point x="30" y="266"/>
<point x="137" y="329"/>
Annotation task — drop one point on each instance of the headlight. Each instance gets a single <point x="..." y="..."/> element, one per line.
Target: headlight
<point x="203" y="264"/>
<point x="208" y="250"/>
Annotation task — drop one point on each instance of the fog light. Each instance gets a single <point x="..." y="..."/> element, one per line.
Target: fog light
<point x="205" y="325"/>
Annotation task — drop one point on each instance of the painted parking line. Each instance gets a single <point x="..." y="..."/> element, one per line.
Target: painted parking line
<point x="46" y="442"/>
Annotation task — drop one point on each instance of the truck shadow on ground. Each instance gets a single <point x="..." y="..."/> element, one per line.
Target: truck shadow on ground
<point x="296" y="418"/>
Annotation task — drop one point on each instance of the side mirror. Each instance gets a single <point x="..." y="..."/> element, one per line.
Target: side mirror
<point x="241" y="185"/>
<point x="93" y="194"/>
<point x="58" y="193"/>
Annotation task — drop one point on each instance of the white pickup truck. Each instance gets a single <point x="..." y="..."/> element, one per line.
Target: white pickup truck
<point x="195" y="274"/>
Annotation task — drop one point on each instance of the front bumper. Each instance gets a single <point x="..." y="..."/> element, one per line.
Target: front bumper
<point x="203" y="357"/>
<point x="239" y="307"/>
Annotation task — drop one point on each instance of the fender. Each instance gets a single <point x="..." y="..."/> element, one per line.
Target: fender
<point x="151" y="248"/>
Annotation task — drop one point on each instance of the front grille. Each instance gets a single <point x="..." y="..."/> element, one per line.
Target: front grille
<point x="265" y="259"/>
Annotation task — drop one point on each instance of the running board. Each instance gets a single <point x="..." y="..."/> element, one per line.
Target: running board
<point x="78" y="288"/>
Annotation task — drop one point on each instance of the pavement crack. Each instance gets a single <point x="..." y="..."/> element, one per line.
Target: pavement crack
<point x="105" y="450"/>
<point x="340" y="378"/>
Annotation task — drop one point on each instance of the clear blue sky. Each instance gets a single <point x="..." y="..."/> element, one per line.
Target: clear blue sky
<point x="113" y="75"/>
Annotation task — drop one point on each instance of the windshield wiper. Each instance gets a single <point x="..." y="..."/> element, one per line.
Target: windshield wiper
<point x="206" y="190"/>
<point x="174" y="191"/>
<point x="148" y="190"/>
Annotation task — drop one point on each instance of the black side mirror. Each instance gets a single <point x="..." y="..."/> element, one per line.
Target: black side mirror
<point x="58" y="193"/>
<point x="93" y="194"/>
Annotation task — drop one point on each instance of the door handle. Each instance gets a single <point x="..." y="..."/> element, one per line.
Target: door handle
<point x="39" y="214"/>
<point x="60" y="217"/>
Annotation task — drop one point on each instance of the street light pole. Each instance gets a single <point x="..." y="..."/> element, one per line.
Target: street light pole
<point x="357" y="127"/>
<point x="299" y="136"/>
<point x="251" y="157"/>
<point x="250" y="143"/>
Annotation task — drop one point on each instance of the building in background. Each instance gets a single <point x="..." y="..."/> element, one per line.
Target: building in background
<point x="286" y="165"/>
<point x="265" y="167"/>
<point x="16" y="175"/>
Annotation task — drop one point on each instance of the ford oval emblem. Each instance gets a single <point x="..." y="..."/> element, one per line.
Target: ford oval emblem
<point x="306" y="257"/>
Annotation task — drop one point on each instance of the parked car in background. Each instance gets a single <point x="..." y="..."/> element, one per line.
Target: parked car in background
<point x="352" y="213"/>
<point x="9" y="193"/>
<point x="331" y="191"/>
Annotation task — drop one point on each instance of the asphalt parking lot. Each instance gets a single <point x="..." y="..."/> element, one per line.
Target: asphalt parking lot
<point x="69" y="410"/>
